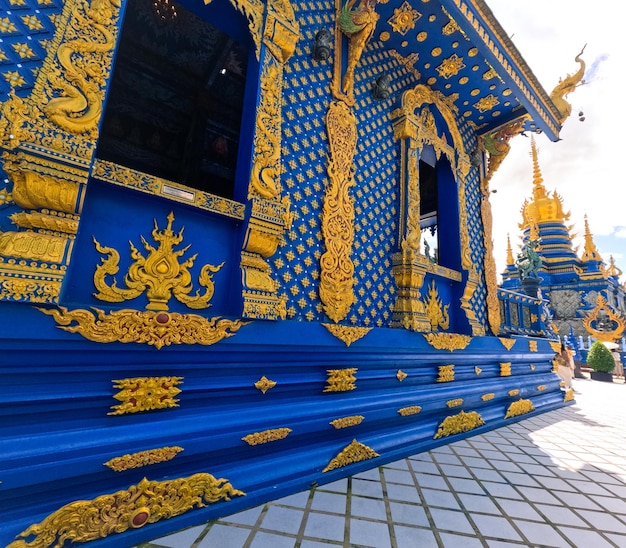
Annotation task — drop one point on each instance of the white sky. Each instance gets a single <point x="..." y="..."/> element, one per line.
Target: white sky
<point x="585" y="167"/>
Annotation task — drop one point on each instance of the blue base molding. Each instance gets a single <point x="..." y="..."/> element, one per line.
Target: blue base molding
<point x="65" y="414"/>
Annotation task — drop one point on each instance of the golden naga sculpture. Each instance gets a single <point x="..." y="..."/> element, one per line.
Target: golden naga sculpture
<point x="358" y="25"/>
<point x="159" y="274"/>
<point x="566" y="86"/>
<point x="498" y="147"/>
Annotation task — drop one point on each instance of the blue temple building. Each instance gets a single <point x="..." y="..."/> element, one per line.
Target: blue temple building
<point x="245" y="247"/>
<point x="578" y="284"/>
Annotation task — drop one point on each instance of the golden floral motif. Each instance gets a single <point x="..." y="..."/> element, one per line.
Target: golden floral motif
<point x="404" y="18"/>
<point x="486" y="103"/>
<point x="487" y="397"/>
<point x="519" y="407"/>
<point x="348" y="334"/>
<point x="448" y="341"/>
<point x="507" y="343"/>
<point x="411" y="410"/>
<point x="141" y="394"/>
<point x="455" y="403"/>
<point x="345" y="422"/>
<point x="160" y="275"/>
<point x="154" y="328"/>
<point x="514" y="393"/>
<point x="541" y="387"/>
<point x="477" y="370"/>
<point x="401" y="375"/>
<point x="354" y="452"/>
<point x="407" y="62"/>
<point x="532" y="346"/>
<point x="505" y="369"/>
<point x="264" y="384"/>
<point x="457" y="424"/>
<point x="337" y="269"/>
<point x="341" y="380"/>
<point x="143" y="458"/>
<point x="141" y="504"/>
<point x="451" y="66"/>
<point x="20" y="288"/>
<point x="267" y="436"/>
<point x="446" y="373"/>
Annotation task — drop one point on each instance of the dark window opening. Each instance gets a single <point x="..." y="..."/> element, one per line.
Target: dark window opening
<point x="429" y="197"/>
<point x="176" y="97"/>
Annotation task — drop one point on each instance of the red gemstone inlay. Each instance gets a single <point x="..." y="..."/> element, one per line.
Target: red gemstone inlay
<point x="140" y="519"/>
<point x="162" y="317"/>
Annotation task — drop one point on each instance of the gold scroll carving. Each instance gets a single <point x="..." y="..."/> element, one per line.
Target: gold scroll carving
<point x="603" y="313"/>
<point x="354" y="452"/>
<point x="345" y="422"/>
<point x="142" y="394"/>
<point x="446" y="373"/>
<point x="337" y="269"/>
<point x="341" y="380"/>
<point x="267" y="436"/>
<point x="411" y="410"/>
<point x="457" y="424"/>
<point x="448" y="341"/>
<point x="347" y="334"/>
<point x="143" y="458"/>
<point x="141" y="504"/>
<point x="505" y="369"/>
<point x="519" y="407"/>
<point x="455" y="403"/>
<point x="436" y="311"/>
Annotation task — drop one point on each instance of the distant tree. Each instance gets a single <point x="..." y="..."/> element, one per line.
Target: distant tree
<point x="600" y="358"/>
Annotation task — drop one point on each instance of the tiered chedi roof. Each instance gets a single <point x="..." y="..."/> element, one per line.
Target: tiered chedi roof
<point x="544" y="219"/>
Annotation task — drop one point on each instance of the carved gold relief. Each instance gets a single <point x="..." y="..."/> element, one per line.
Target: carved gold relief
<point x="267" y="436"/>
<point x="354" y="452"/>
<point x="401" y="375"/>
<point x="146" y="502"/>
<point x="49" y="221"/>
<point x="160" y="275"/>
<point x="436" y="311"/>
<point x="455" y="403"/>
<point x="347" y="334"/>
<point x="337" y="269"/>
<point x="457" y="424"/>
<point x="143" y="458"/>
<point x="35" y="246"/>
<point x="532" y="346"/>
<point x="566" y="86"/>
<point x="146" y="327"/>
<point x="145" y="394"/>
<point x="555" y="345"/>
<point x="411" y="410"/>
<point x="519" y="407"/>
<point x="487" y="397"/>
<point x="446" y="373"/>
<point x="341" y="380"/>
<point x="282" y="30"/>
<point x="345" y="422"/>
<point x="505" y="369"/>
<point x="489" y="263"/>
<point x="19" y="286"/>
<point x="264" y="384"/>
<point x="409" y="312"/>
<point x="448" y="341"/>
<point x="507" y="343"/>
<point x="604" y="315"/>
<point x="404" y="18"/>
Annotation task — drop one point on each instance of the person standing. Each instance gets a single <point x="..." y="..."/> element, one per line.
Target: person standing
<point x="565" y="366"/>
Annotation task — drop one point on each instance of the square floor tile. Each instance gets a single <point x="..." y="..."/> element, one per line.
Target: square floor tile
<point x="412" y="537"/>
<point x="285" y="520"/>
<point x="495" y="527"/>
<point x="369" y="533"/>
<point x="541" y="534"/>
<point x="560" y="515"/>
<point x="324" y="526"/>
<point x="367" y="488"/>
<point x="454" y="471"/>
<point x="461" y="485"/>
<point x="518" y="509"/>
<point x="368" y="508"/>
<point x="441" y="499"/>
<point x="450" y="540"/>
<point x="398" y="476"/>
<point x="534" y="494"/>
<point x="479" y="503"/>
<point x="428" y="480"/>
<point x="269" y="540"/>
<point x="339" y="486"/>
<point x="451" y="520"/>
<point x="224" y="536"/>
<point x="247" y="517"/>
<point x="585" y="537"/>
<point x="423" y="467"/>
<point x="403" y="493"/>
<point x="183" y="538"/>
<point x="603" y="521"/>
<point x="410" y="514"/>
<point x="329" y="502"/>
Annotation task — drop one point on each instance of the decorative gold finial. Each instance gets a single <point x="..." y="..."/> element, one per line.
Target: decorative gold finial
<point x="591" y="251"/>
<point x="612" y="270"/>
<point x="566" y="86"/>
<point x="510" y="261"/>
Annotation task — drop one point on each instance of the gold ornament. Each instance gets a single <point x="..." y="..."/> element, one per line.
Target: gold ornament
<point x="487" y="397"/>
<point x="455" y="403"/>
<point x="145" y="394"/>
<point x="451" y="66"/>
<point x="347" y="334"/>
<point x="437" y="314"/>
<point x="160" y="275"/>
<point x="446" y="373"/>
<point x="507" y="343"/>
<point x="566" y="86"/>
<point x="448" y="341"/>
<point x="604" y="315"/>
<point x="401" y="375"/>
<point x="569" y="395"/>
<point x="337" y="269"/>
<point x="532" y="346"/>
<point x="341" y="380"/>
<point x="541" y="387"/>
<point x="519" y="407"/>
<point x="404" y="18"/>
<point x="477" y="370"/>
<point x="354" y="452"/>
<point x="154" y="328"/>
<point x="514" y="393"/>
<point x="141" y="504"/>
<point x="266" y="436"/>
<point x="264" y="384"/>
<point x="345" y="422"/>
<point x="411" y="410"/>
<point x="143" y="458"/>
<point x="505" y="369"/>
<point x="456" y="424"/>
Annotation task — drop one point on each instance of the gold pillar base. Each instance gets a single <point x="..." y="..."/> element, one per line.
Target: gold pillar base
<point x="409" y="271"/>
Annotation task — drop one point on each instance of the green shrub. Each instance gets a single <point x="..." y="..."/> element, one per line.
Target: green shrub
<point x="600" y="358"/>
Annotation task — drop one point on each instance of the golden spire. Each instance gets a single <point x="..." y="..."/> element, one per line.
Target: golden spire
<point x="509" y="252"/>
<point x="591" y="252"/>
<point x="613" y="269"/>
<point x="545" y="206"/>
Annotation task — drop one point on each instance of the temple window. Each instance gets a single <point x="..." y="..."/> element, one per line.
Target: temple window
<point x="176" y="99"/>
<point x="428" y="189"/>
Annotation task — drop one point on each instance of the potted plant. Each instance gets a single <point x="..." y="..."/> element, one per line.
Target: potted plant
<point x="601" y="361"/>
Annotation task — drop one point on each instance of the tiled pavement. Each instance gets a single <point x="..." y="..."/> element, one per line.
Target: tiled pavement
<point x="558" y="479"/>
